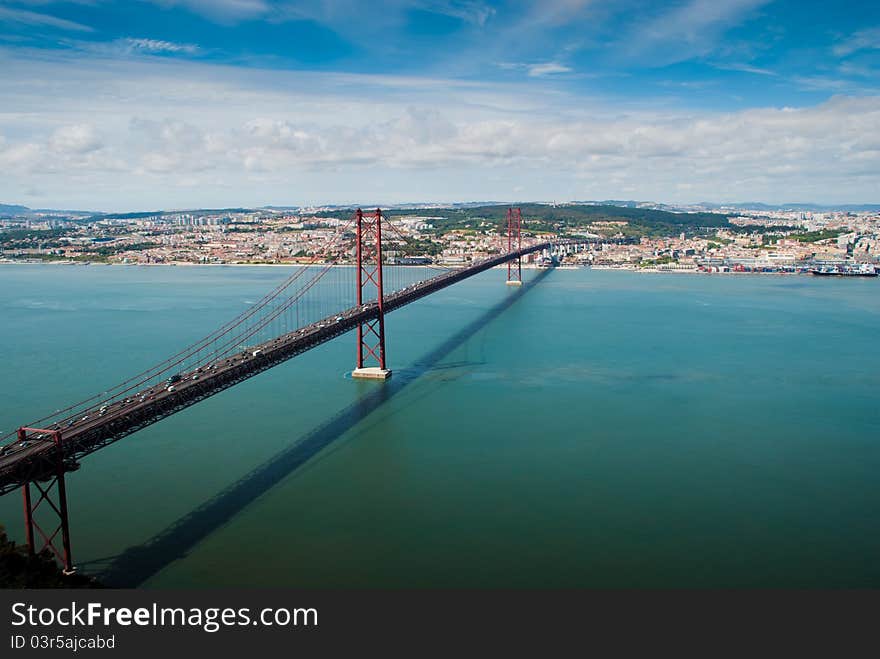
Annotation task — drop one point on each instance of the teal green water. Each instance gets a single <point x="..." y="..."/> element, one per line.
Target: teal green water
<point x="605" y="429"/>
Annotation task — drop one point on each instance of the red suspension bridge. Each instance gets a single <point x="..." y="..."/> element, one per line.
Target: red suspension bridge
<point x="304" y="311"/>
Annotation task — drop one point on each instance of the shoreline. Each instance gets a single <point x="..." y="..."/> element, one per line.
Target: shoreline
<point x="652" y="271"/>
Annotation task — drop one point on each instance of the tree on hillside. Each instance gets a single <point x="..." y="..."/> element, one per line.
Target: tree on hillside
<point x="20" y="569"/>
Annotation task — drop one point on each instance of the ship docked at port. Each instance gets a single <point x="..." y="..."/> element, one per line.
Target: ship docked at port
<point x="861" y="270"/>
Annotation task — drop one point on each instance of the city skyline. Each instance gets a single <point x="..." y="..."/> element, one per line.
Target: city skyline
<point x="246" y="102"/>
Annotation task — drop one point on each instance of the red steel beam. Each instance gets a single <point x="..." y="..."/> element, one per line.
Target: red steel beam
<point x="514" y="243"/>
<point x="64" y="554"/>
<point x="369" y="248"/>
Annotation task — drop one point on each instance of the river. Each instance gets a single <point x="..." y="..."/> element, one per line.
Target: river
<point x="596" y="429"/>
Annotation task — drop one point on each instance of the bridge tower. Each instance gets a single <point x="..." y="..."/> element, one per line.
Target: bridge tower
<point x="514" y="242"/>
<point x="44" y="486"/>
<point x="371" y="332"/>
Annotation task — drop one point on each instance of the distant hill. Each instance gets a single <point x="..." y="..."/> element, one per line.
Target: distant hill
<point x="646" y="214"/>
<point x="61" y="211"/>
<point x="142" y="214"/>
<point x="817" y="208"/>
<point x="123" y="216"/>
<point x="13" y="209"/>
<point x="547" y="217"/>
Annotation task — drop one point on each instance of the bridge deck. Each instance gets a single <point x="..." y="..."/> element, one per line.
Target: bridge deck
<point x="22" y="462"/>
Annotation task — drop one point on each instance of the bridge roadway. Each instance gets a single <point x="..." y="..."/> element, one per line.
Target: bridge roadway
<point x="36" y="458"/>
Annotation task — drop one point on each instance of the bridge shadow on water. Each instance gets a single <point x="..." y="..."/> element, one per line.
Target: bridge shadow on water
<point x="137" y="564"/>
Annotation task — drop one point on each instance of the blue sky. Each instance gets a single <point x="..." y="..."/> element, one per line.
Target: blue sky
<point x="115" y="104"/>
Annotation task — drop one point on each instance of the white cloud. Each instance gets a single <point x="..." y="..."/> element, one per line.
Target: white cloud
<point x="155" y="46"/>
<point x="469" y="11"/>
<point x="20" y="156"/>
<point x="688" y="29"/>
<point x="75" y="139"/>
<point x="747" y="68"/>
<point x="850" y="69"/>
<point x="25" y="17"/>
<point x="138" y="134"/>
<point x="547" y="68"/>
<point x="536" y="69"/>
<point x="221" y="10"/>
<point x="868" y="39"/>
<point x="834" y="85"/>
<point x="550" y="13"/>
